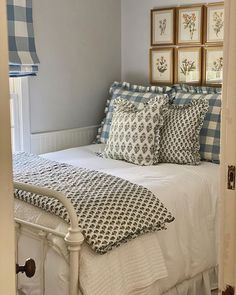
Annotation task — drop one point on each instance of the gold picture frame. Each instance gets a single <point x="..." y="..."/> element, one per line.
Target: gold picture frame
<point x="189" y="28"/>
<point x="163" y="26"/>
<point x="213" y="66"/>
<point x="188" y="65"/>
<point x="214" y="23"/>
<point x="161" y="66"/>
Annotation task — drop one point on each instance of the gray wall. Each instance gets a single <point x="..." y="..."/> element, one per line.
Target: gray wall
<point x="79" y="45"/>
<point x="135" y="23"/>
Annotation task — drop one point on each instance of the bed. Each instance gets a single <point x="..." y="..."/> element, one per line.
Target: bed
<point x="180" y="260"/>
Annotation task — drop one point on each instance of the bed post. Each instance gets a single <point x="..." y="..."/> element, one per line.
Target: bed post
<point x="73" y="238"/>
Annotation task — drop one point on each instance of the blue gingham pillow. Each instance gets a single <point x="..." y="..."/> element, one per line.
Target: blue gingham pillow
<point x="133" y="93"/>
<point x="210" y="132"/>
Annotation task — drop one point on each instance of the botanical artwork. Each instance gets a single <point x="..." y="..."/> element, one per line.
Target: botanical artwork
<point x="162" y="26"/>
<point x="189" y="25"/>
<point x="218" y="22"/>
<point x="188" y="31"/>
<point x="162" y="65"/>
<point x="214" y="65"/>
<point x="189" y="22"/>
<point x="189" y="65"/>
<point x="215" y="23"/>
<point x="217" y="65"/>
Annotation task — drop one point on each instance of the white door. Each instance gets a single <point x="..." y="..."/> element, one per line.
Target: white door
<point x="7" y="243"/>
<point x="228" y="152"/>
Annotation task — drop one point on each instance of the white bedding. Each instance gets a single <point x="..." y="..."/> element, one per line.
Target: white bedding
<point x="163" y="259"/>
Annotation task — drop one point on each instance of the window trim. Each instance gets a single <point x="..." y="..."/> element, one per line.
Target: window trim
<point x="20" y="88"/>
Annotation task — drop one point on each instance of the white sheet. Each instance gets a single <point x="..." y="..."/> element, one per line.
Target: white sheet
<point x="188" y="245"/>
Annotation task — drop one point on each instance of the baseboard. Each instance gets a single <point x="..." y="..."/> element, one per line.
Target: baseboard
<point x="58" y="140"/>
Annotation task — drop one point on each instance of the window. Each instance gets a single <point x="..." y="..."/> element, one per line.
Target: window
<point x="19" y="105"/>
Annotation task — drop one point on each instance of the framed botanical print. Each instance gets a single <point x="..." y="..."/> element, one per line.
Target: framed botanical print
<point x="214" y="24"/>
<point x="213" y="65"/>
<point x="188" y="65"/>
<point x="189" y="25"/>
<point x="162" y="66"/>
<point x="162" y="26"/>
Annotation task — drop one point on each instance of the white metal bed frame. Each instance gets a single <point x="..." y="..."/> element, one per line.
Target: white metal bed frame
<point x="73" y="238"/>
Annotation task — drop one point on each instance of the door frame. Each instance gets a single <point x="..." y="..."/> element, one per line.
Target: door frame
<point x="227" y="240"/>
<point x="7" y="233"/>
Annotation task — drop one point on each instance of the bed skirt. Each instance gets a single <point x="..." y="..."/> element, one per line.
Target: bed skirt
<point x="202" y="283"/>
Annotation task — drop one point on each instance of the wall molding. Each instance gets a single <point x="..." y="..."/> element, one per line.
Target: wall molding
<point x="63" y="139"/>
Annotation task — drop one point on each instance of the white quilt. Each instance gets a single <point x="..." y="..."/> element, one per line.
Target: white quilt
<point x="166" y="258"/>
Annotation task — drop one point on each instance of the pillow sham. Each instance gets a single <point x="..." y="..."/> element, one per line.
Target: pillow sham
<point x="133" y="93"/>
<point x="134" y="135"/>
<point x="210" y="132"/>
<point x="179" y="135"/>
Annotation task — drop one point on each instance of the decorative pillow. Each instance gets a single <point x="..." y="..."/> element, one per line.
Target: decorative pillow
<point x="180" y="133"/>
<point x="210" y="132"/>
<point x="134" y="135"/>
<point x="133" y="93"/>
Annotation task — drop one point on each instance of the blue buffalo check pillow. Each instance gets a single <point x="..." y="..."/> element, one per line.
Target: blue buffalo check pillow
<point x="133" y="93"/>
<point x="210" y="132"/>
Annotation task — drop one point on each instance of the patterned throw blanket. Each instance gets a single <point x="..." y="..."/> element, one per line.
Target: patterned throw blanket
<point x="110" y="210"/>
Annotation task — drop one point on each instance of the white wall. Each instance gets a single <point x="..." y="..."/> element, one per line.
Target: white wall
<point x="135" y="23"/>
<point x="79" y="46"/>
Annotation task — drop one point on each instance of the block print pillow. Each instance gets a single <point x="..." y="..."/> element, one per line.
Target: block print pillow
<point x="135" y="131"/>
<point x="210" y="132"/>
<point x="134" y="93"/>
<point x="179" y="135"/>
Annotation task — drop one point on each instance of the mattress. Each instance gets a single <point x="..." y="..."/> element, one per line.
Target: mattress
<point x="162" y="259"/>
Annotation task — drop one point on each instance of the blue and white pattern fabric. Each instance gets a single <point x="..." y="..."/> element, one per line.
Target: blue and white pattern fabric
<point x="179" y="143"/>
<point x="111" y="210"/>
<point x="23" y="59"/>
<point x="133" y="93"/>
<point x="135" y="132"/>
<point x="210" y="132"/>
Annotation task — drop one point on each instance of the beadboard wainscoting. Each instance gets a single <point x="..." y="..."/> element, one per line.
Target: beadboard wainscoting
<point x="58" y="140"/>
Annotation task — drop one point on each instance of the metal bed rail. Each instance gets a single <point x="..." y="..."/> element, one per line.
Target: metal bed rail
<point x="73" y="238"/>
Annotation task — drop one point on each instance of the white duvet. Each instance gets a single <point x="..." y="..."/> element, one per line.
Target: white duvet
<point x="163" y="259"/>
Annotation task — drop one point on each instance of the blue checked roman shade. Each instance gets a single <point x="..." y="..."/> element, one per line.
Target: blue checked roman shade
<point x="23" y="59"/>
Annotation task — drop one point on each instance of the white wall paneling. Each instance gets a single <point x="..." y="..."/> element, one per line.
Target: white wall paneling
<point x="59" y="140"/>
